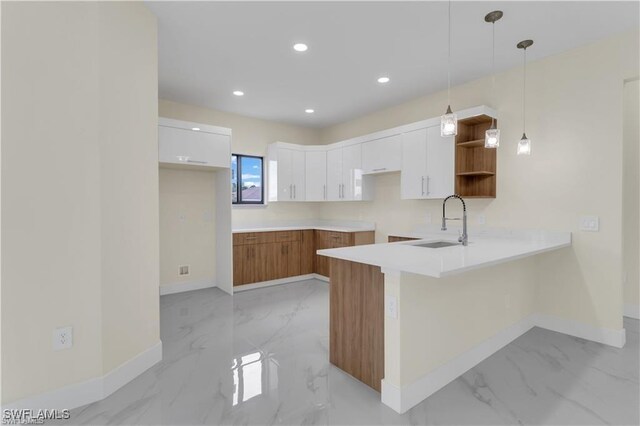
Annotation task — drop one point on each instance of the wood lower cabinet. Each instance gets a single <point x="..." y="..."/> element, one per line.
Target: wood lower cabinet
<point x="333" y="239"/>
<point x="265" y="256"/>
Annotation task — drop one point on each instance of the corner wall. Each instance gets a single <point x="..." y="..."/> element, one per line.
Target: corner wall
<point x="574" y="118"/>
<point x="631" y="210"/>
<point x="79" y="230"/>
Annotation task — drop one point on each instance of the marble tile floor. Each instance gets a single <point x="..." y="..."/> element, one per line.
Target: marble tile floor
<point x="261" y="358"/>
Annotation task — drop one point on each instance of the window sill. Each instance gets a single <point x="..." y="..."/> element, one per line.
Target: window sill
<point x="248" y="206"/>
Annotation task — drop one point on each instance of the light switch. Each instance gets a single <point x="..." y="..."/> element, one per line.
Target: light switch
<point x="589" y="223"/>
<point x="482" y="219"/>
<point x="391" y="306"/>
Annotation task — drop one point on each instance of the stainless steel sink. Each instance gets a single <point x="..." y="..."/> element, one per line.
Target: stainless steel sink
<point x="438" y="244"/>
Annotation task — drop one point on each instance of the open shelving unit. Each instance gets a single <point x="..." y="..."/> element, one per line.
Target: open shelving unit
<point x="475" y="164"/>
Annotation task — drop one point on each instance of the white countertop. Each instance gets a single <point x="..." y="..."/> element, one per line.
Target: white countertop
<point x="486" y="248"/>
<point x="324" y="225"/>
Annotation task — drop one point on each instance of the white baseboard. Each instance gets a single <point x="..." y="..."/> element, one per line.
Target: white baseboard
<point x="186" y="286"/>
<point x="632" y="311"/>
<point x="405" y="397"/>
<point x="606" y="336"/>
<point x="279" y="281"/>
<point x="93" y="390"/>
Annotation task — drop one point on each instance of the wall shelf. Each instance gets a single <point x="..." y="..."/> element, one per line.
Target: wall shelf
<point x="475" y="164"/>
<point x="478" y="173"/>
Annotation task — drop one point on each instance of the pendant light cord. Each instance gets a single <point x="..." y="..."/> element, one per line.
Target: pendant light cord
<point x="524" y="94"/>
<point x="493" y="67"/>
<point x="449" y="59"/>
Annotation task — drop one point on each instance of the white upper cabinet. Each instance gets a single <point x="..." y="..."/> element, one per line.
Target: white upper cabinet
<point x="352" y="172"/>
<point x="316" y="175"/>
<point x="440" y="164"/>
<point x="334" y="174"/>
<point x="179" y="144"/>
<point x="382" y="155"/>
<point x="414" y="164"/>
<point x="428" y="161"/>
<point x="286" y="174"/>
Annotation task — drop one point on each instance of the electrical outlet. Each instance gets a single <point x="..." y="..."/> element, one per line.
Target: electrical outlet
<point x="183" y="270"/>
<point x="391" y="306"/>
<point x="482" y="219"/>
<point x="589" y="223"/>
<point x="62" y="338"/>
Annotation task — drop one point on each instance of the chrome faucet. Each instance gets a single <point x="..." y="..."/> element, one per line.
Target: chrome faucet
<point x="464" y="238"/>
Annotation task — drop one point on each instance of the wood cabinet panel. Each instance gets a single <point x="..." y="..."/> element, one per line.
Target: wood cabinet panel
<point x="356" y="320"/>
<point x="333" y="239"/>
<point x="307" y="252"/>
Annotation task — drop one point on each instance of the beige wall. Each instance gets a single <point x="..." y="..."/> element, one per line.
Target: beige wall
<point x="574" y="119"/>
<point x="79" y="190"/>
<point x="250" y="136"/>
<point x="631" y="211"/>
<point x="441" y="318"/>
<point x="187" y="225"/>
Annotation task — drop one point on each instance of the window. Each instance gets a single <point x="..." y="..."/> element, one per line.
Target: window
<point x="247" y="177"/>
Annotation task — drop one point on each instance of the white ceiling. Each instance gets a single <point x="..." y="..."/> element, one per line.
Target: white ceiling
<point x="209" y="49"/>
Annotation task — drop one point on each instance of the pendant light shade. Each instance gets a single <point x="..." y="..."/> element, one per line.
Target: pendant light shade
<point x="524" y="145"/>
<point x="492" y="135"/>
<point x="449" y="121"/>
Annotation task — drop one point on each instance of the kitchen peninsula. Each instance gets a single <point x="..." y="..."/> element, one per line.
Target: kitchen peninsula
<point x="407" y="318"/>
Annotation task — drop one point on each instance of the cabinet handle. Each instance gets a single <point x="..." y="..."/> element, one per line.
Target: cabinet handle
<point x="423" y="185"/>
<point x="379" y="170"/>
<point x="324" y="192"/>
<point x="290" y="191"/>
<point x="428" y="181"/>
<point x="294" y="192"/>
<point x="250" y="238"/>
<point x="196" y="161"/>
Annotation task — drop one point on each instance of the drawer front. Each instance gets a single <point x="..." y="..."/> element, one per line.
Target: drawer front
<point x="339" y="239"/>
<point x="286" y="236"/>
<point x="253" y="238"/>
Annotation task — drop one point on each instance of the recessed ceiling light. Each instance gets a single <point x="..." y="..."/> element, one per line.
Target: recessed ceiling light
<point x="195" y="128"/>
<point x="300" y="47"/>
<point x="309" y="111"/>
<point x="383" y="80"/>
<point x="238" y="92"/>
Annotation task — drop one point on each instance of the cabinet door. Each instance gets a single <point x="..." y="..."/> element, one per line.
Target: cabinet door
<point x="322" y="262"/>
<point x="316" y="175"/>
<point x="181" y="146"/>
<point x="334" y="174"/>
<point x="381" y="155"/>
<point x="440" y="164"/>
<point x="413" y="174"/>
<point x="298" y="175"/>
<point x="285" y="174"/>
<point x="238" y="265"/>
<point x="292" y="253"/>
<point x="307" y="253"/>
<point x="352" y="172"/>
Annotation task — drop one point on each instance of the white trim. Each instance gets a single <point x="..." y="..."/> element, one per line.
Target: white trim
<point x="279" y="281"/>
<point x="606" y="336"/>
<point x="404" y="398"/>
<point x="632" y="311"/>
<point x="93" y="390"/>
<point x="189" y="125"/>
<point x="181" y="287"/>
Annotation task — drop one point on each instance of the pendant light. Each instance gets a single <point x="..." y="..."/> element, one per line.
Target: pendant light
<point x="524" y="145"/>
<point x="449" y="121"/>
<point x="492" y="135"/>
